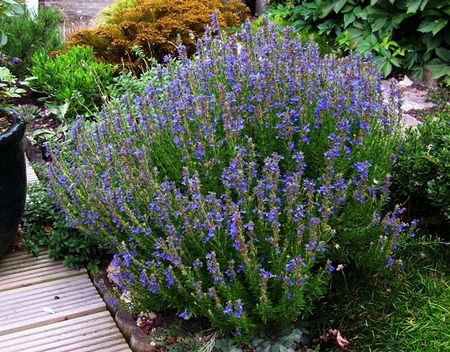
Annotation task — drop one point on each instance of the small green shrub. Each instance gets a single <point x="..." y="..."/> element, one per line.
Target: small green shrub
<point x="28" y="34"/>
<point x="224" y="188"/>
<point x="8" y="8"/>
<point x="73" y="77"/>
<point x="406" y="34"/>
<point x="422" y="171"/>
<point x="45" y="226"/>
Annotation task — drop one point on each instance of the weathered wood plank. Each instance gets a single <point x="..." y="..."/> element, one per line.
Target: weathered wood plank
<point x="36" y="278"/>
<point x="45" y="306"/>
<point x="53" y="318"/>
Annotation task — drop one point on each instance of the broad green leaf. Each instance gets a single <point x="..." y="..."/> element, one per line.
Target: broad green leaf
<point x="360" y="13"/>
<point x="386" y="53"/>
<point x="398" y="18"/>
<point x="3" y="39"/>
<point x="439" y="70"/>
<point x="378" y="24"/>
<point x="424" y="3"/>
<point x="372" y="39"/>
<point x="338" y="5"/>
<point x="413" y="6"/>
<point x="443" y="54"/>
<point x="327" y="10"/>
<point x="354" y="33"/>
<point x="4" y="72"/>
<point x="432" y="26"/>
<point x="432" y="42"/>
<point x="394" y="61"/>
<point x="386" y="68"/>
<point x="364" y="47"/>
<point x="348" y="19"/>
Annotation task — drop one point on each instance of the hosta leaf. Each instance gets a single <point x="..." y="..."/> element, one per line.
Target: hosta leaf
<point x="443" y="54"/>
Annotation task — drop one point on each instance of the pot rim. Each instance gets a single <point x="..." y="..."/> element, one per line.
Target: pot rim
<point x="15" y="131"/>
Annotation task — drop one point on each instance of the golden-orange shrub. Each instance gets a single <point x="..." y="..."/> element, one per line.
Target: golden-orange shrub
<point x="154" y="26"/>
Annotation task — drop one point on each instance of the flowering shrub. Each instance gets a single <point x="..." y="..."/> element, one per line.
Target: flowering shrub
<point x="222" y="188"/>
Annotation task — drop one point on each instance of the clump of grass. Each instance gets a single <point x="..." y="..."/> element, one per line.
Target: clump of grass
<point x="407" y="310"/>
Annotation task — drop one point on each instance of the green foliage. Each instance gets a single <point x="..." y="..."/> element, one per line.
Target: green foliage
<point x="405" y="310"/>
<point x="8" y="8"/>
<point x="28" y="34"/>
<point x="422" y="171"/>
<point x="407" y="34"/>
<point x="128" y="84"/>
<point x="288" y="340"/>
<point x="10" y="85"/>
<point x="45" y="226"/>
<point x="73" y="77"/>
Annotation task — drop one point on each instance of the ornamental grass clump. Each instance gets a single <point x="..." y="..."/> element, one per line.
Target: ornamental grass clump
<point x="225" y="189"/>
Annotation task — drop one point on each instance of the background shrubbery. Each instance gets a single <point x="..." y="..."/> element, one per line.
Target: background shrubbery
<point x="154" y="26"/>
<point x="407" y="34"/>
<point x="226" y="187"/>
<point x="28" y="35"/>
<point x="72" y="77"/>
<point x="422" y="171"/>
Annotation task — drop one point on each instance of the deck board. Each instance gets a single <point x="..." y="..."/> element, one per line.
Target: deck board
<point x="45" y="306"/>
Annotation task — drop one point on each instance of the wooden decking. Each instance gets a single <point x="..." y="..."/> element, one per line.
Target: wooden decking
<point x="45" y="306"/>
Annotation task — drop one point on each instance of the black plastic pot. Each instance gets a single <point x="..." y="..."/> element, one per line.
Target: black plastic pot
<point x="13" y="181"/>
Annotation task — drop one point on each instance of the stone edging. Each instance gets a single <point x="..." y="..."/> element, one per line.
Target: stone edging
<point x="134" y="335"/>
